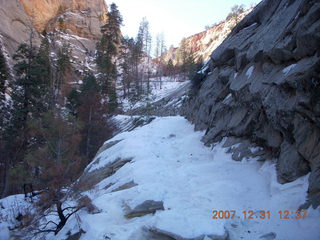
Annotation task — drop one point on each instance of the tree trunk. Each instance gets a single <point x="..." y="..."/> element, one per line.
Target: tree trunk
<point x="89" y="134"/>
<point x="62" y="218"/>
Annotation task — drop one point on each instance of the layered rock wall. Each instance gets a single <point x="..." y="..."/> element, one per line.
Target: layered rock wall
<point x="19" y="18"/>
<point x="202" y="44"/>
<point x="82" y="17"/>
<point x="262" y="84"/>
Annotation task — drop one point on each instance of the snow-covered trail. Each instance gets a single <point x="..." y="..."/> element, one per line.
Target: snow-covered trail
<point x="170" y="164"/>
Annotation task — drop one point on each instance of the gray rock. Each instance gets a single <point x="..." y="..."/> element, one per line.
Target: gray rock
<point x="314" y="188"/>
<point x="268" y="236"/>
<point x="125" y="186"/>
<point x="147" y="207"/>
<point x="159" y="234"/>
<point x="91" y="178"/>
<point x="107" y="146"/>
<point x="277" y="106"/>
<point x="290" y="164"/>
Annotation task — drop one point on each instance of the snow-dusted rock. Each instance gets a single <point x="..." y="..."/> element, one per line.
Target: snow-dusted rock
<point x="147" y="207"/>
<point x="270" y="65"/>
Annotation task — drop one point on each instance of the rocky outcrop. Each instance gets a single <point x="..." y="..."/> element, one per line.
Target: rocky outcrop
<point x="75" y="22"/>
<point x="147" y="207"/>
<point x="82" y="17"/>
<point x="262" y="84"/>
<point x="16" y="25"/>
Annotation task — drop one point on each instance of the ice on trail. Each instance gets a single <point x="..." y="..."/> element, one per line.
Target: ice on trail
<point x="170" y="164"/>
<point x="286" y="70"/>
<point x="249" y="71"/>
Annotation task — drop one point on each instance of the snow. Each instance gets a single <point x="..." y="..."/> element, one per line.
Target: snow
<point x="168" y="87"/>
<point x="203" y="70"/>
<point x="235" y="75"/>
<point x="286" y="70"/>
<point x="249" y="71"/>
<point x="250" y="26"/>
<point x="225" y="100"/>
<point x="170" y="164"/>
<point x="10" y="207"/>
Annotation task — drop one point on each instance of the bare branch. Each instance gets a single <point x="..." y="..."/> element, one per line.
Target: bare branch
<point x="48" y="224"/>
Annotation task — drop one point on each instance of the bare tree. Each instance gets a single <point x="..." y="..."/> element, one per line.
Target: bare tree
<point x="159" y="51"/>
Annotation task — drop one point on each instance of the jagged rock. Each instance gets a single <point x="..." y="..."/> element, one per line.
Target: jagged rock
<point x="314" y="188"/>
<point x="125" y="186"/>
<point x="75" y="236"/>
<point x="107" y="146"/>
<point x="159" y="234"/>
<point x="290" y="164"/>
<point x="91" y="178"/>
<point x="147" y="207"/>
<point x="264" y="87"/>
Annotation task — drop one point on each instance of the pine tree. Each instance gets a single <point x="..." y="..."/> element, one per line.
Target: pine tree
<point x="29" y="102"/>
<point x="4" y="75"/>
<point x="63" y="73"/>
<point x="107" y="52"/>
<point x="58" y="163"/>
<point x="45" y="67"/>
<point x="186" y="59"/>
<point x="87" y="105"/>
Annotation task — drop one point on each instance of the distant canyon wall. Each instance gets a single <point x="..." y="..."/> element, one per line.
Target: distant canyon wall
<point x="204" y="43"/>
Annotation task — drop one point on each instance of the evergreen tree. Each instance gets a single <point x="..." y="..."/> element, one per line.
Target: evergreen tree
<point x="58" y="163"/>
<point x="29" y="102"/>
<point x="45" y="67"/>
<point x="87" y="105"/>
<point x="4" y="75"/>
<point x="107" y="52"/>
<point x="130" y="56"/>
<point x="63" y="73"/>
<point x="186" y="59"/>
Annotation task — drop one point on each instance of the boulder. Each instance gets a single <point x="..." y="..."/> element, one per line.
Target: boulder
<point x="147" y="207"/>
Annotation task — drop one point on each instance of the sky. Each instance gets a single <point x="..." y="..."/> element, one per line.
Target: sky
<point x="175" y="18"/>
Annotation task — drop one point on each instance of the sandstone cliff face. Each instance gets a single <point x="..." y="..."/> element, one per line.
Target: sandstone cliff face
<point x="82" y="17"/>
<point x="202" y="44"/>
<point x="15" y="25"/>
<point x="262" y="85"/>
<point x="76" y="22"/>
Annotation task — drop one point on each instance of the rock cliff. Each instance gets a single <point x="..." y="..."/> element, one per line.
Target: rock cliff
<point x="82" y="17"/>
<point x="77" y="22"/>
<point x="202" y="44"/>
<point x="261" y="88"/>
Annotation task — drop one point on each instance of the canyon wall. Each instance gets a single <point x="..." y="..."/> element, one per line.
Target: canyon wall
<point x="261" y="88"/>
<point x="202" y="44"/>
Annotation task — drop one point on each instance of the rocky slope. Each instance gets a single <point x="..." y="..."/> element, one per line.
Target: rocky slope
<point x="262" y="85"/>
<point x="203" y="43"/>
<point x="77" y="22"/>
